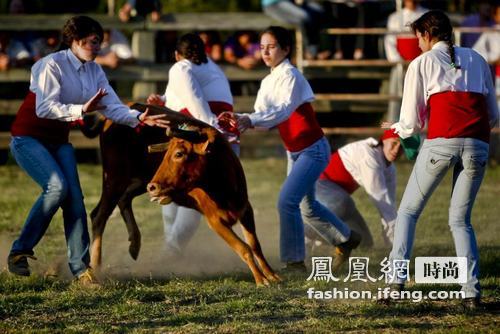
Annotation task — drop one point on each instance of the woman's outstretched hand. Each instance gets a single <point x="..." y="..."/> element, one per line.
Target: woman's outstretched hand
<point x="155" y="99"/>
<point x="153" y="120"/>
<point x="244" y="122"/>
<point x="93" y="103"/>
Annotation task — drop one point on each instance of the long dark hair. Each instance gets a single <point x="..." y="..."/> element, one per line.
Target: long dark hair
<point x="191" y="47"/>
<point x="437" y="25"/>
<point x="282" y="36"/>
<point x="79" y="27"/>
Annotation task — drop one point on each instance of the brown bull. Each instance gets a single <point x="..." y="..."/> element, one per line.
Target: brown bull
<point x="200" y="171"/>
<point x="127" y="167"/>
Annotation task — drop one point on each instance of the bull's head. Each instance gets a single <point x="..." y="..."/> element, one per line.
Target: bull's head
<point x="183" y="163"/>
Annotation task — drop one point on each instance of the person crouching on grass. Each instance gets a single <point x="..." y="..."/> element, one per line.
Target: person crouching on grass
<point x="284" y="101"/>
<point x="64" y="86"/>
<point x="451" y="89"/>
<point x="367" y="163"/>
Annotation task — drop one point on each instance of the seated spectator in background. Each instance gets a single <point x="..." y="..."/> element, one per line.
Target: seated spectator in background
<point x="401" y="47"/>
<point x="48" y="42"/>
<point x="141" y="8"/>
<point x="480" y="19"/>
<point x="243" y="50"/>
<point x="12" y="52"/>
<point x="308" y="16"/>
<point x="488" y="45"/>
<point x="348" y="14"/>
<point x="213" y="45"/>
<point x="115" y="49"/>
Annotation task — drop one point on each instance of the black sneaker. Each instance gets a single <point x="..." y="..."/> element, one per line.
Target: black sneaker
<point x="343" y="251"/>
<point x="294" y="269"/>
<point x="18" y="264"/>
<point x="472" y="304"/>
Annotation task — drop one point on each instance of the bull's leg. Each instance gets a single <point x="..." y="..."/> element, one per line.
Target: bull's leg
<point x="214" y="217"/>
<point x="248" y="228"/>
<point x="135" y="189"/>
<point x="99" y="217"/>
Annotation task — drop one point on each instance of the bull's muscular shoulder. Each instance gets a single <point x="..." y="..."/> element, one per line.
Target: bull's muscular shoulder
<point x="225" y="179"/>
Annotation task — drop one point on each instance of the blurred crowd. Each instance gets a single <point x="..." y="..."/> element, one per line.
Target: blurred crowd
<point x="241" y="48"/>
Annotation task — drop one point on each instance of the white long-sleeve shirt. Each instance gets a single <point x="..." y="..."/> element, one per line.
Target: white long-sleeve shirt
<point x="280" y="93"/>
<point x="192" y="86"/>
<point x="431" y="73"/>
<point x="365" y="161"/>
<point x="63" y="84"/>
<point x="399" y="21"/>
<point x="488" y="45"/>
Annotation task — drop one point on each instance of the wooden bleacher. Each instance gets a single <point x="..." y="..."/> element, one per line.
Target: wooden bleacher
<point x="145" y="73"/>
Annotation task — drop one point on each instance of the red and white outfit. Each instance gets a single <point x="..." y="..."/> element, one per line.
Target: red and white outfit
<point x="460" y="107"/>
<point x="192" y="88"/>
<point x="203" y="92"/>
<point x="284" y="101"/>
<point x="60" y="85"/>
<point x="361" y="163"/>
<point x="471" y="86"/>
<point x="398" y="48"/>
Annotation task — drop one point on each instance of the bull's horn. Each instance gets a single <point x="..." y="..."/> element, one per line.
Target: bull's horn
<point x="193" y="136"/>
<point x="155" y="148"/>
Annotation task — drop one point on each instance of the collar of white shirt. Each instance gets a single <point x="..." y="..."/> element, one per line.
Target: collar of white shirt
<point x="281" y="66"/>
<point x="441" y="45"/>
<point x="77" y="64"/>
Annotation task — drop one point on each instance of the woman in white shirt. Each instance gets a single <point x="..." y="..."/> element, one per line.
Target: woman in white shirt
<point x="64" y="86"/>
<point x="284" y="101"/>
<point x="451" y="89"/>
<point x="196" y="87"/>
<point x="367" y="163"/>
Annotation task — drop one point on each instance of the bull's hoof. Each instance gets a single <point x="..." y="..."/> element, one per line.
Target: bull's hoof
<point x="275" y="278"/>
<point x="134" y="250"/>
<point x="264" y="283"/>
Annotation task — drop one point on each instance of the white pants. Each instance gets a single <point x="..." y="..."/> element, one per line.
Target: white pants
<point x="179" y="225"/>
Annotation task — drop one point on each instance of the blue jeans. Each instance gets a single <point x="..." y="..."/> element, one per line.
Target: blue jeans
<point x="53" y="167"/>
<point x="303" y="170"/>
<point x="340" y="202"/>
<point x="468" y="159"/>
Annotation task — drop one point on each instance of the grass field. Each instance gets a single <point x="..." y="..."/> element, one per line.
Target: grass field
<point x="209" y="289"/>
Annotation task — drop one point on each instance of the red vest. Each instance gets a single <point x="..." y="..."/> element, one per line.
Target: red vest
<point x="27" y="123"/>
<point x="458" y="115"/>
<point x="408" y="47"/>
<point x="336" y="172"/>
<point x="301" y="129"/>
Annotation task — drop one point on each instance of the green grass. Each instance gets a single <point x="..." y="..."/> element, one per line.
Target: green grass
<point x="209" y="289"/>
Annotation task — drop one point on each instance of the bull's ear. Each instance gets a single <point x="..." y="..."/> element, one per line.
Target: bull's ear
<point x="203" y="147"/>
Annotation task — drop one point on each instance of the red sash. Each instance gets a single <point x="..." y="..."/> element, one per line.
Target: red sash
<point x="337" y="173"/>
<point x="27" y="123"/>
<point x="458" y="115"/>
<point x="301" y="129"/>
